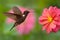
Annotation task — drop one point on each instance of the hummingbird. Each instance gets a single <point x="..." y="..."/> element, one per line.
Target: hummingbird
<point x="17" y="15"/>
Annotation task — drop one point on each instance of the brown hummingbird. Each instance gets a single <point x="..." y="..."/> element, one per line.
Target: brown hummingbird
<point x="18" y="16"/>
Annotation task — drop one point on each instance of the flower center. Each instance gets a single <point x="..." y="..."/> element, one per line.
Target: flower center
<point x="49" y="18"/>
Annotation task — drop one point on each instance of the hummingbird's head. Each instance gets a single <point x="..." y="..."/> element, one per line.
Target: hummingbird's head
<point x="26" y="13"/>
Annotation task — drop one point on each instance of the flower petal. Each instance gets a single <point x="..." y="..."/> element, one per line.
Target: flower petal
<point x="45" y="26"/>
<point x="52" y="25"/>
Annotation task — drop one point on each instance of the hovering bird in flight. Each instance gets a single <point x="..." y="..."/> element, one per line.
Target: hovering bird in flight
<point x="18" y="16"/>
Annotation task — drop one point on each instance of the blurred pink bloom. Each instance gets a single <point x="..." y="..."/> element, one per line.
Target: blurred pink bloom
<point x="27" y="25"/>
<point x="50" y="19"/>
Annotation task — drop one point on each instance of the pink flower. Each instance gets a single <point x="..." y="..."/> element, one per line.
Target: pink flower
<point x="27" y="25"/>
<point x="50" y="19"/>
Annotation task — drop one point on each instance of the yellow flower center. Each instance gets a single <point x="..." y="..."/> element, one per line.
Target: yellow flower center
<point x="49" y="18"/>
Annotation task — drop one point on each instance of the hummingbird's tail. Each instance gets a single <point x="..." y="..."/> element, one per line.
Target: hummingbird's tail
<point x="12" y="27"/>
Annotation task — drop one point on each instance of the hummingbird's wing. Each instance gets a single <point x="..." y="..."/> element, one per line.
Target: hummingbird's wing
<point x="17" y="11"/>
<point x="10" y="15"/>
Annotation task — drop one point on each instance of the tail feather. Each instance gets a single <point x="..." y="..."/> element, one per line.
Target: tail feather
<point x="12" y="27"/>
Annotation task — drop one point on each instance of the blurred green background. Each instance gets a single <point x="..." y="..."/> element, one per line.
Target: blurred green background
<point x="37" y="33"/>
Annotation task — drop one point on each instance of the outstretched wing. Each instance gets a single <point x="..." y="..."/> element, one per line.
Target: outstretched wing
<point x="10" y="15"/>
<point x="17" y="11"/>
